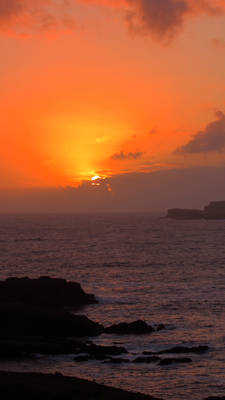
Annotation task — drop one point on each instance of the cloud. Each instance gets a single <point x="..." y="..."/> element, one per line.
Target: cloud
<point x="212" y="139"/>
<point x="29" y="16"/>
<point x="127" y="156"/>
<point x="161" y="19"/>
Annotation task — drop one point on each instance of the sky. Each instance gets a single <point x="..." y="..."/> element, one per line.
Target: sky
<point x="111" y="105"/>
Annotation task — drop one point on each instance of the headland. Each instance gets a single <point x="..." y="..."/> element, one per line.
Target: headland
<point x="215" y="210"/>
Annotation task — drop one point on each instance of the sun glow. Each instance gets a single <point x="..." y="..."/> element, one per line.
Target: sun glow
<point x="94" y="178"/>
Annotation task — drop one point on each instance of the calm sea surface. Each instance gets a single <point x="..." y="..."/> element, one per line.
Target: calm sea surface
<point x="139" y="267"/>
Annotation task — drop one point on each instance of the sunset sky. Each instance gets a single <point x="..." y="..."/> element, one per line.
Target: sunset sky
<point x="99" y="95"/>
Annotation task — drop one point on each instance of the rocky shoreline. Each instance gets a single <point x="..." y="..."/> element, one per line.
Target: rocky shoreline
<point x="33" y="386"/>
<point x="37" y="317"/>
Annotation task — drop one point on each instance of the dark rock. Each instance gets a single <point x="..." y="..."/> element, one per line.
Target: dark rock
<point x="179" y="350"/>
<point x="82" y="358"/>
<point x="23" y="347"/>
<point x="215" y="398"/>
<point x="125" y="328"/>
<point x="160" y="327"/>
<point x="184" y="349"/>
<point x="169" y="361"/>
<point x="25" y="320"/>
<point x="105" y="350"/>
<point x="179" y="213"/>
<point x="117" y="361"/>
<point x="147" y="360"/>
<point x="88" y="357"/>
<point x="44" y="291"/>
<point x="31" y="386"/>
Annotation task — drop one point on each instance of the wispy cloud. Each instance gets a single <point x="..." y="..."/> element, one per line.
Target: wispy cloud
<point x="127" y="156"/>
<point x="29" y="16"/>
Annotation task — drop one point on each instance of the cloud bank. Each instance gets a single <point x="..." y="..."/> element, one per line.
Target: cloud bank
<point x="212" y="139"/>
<point x="161" y="19"/>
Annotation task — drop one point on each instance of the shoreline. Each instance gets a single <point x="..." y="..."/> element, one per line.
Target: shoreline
<point x="31" y="385"/>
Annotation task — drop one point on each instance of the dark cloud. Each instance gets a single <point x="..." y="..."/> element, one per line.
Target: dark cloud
<point x="185" y="188"/>
<point x="159" y="18"/>
<point x="127" y="156"/>
<point x="210" y="140"/>
<point x="162" y="18"/>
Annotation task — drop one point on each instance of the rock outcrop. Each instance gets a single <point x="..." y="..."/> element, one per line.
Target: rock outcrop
<point x="215" y="210"/>
<point x="133" y="328"/>
<point x="48" y="387"/>
<point x="45" y="291"/>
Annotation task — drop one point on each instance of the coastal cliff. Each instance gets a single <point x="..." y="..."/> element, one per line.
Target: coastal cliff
<point x="215" y="210"/>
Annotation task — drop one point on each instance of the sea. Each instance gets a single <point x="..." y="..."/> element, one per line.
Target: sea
<point x="139" y="266"/>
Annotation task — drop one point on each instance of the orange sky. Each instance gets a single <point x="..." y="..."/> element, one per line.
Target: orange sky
<point x="98" y="87"/>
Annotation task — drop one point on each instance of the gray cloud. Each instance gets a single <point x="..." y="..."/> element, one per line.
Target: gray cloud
<point x="161" y="18"/>
<point x="185" y="188"/>
<point x="127" y="156"/>
<point x="210" y="140"/>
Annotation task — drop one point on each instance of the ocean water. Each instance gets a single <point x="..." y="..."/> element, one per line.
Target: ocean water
<point x="140" y="267"/>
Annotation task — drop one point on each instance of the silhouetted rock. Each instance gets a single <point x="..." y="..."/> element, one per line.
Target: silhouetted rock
<point x="88" y="357"/>
<point x="215" y="398"/>
<point x="125" y="328"/>
<point x="25" y="320"/>
<point x="44" y="291"/>
<point x="160" y="327"/>
<point x="95" y="352"/>
<point x="25" y="347"/>
<point x="147" y="360"/>
<point x="169" y="361"/>
<point x="184" y="349"/>
<point x="117" y="361"/>
<point x="31" y="386"/>
<point x="215" y="210"/>
<point x="179" y="213"/>
<point x="180" y="350"/>
<point x="106" y="350"/>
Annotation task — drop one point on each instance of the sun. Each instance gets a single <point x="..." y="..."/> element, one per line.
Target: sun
<point x="95" y="178"/>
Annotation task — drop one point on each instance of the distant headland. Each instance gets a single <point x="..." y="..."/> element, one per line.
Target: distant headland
<point x="215" y="210"/>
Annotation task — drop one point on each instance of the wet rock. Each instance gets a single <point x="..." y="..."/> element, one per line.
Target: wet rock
<point x="169" y="361"/>
<point x="125" y="328"/>
<point x="44" y="291"/>
<point x="147" y="360"/>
